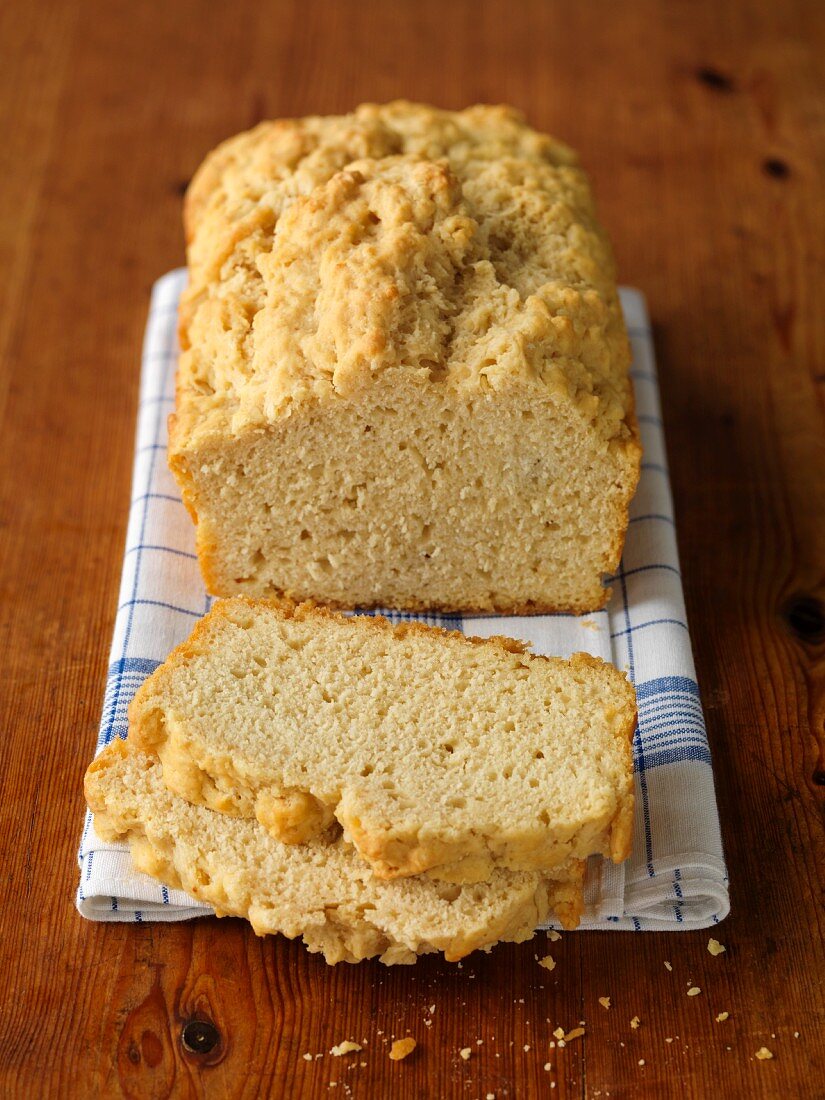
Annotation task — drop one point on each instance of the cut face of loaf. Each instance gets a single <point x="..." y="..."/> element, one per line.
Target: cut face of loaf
<point x="321" y="891"/>
<point x="435" y="752"/>
<point x="404" y="370"/>
<point x="414" y="495"/>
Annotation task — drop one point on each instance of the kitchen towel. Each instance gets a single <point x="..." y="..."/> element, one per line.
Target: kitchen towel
<point x="676" y="877"/>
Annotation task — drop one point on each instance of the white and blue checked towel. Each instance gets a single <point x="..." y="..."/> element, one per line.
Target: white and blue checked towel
<point x="676" y="877"/>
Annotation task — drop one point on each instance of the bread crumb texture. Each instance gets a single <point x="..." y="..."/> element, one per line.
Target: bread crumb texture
<point x="320" y="890"/>
<point x="347" y="1047"/>
<point x="435" y="752"/>
<point x="402" y="350"/>
<point x="401" y="1048"/>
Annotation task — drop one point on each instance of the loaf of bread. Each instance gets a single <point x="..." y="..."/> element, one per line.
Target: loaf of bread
<point x="321" y="890"/>
<point x="404" y="369"/>
<point x="436" y="752"/>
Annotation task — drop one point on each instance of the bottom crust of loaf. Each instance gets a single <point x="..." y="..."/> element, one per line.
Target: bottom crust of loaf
<point x="416" y="607"/>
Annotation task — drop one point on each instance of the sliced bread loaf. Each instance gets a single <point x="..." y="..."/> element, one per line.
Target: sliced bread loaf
<point x="404" y="370"/>
<point x="320" y="890"/>
<point x="435" y="752"/>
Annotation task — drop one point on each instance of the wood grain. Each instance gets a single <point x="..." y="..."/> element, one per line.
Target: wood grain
<point x="703" y="126"/>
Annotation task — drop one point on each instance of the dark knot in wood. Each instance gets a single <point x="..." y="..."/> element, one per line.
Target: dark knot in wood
<point x="200" y="1037"/>
<point x="714" y="79"/>
<point x="805" y="616"/>
<point x="776" y="168"/>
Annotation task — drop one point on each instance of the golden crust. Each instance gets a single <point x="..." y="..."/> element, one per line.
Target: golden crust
<point x="305" y="262"/>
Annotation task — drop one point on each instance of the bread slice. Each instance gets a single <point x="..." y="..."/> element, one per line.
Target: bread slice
<point x="404" y="376"/>
<point x="320" y="890"/>
<point x="435" y="752"/>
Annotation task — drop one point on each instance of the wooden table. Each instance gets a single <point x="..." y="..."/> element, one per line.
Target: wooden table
<point x="703" y="125"/>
